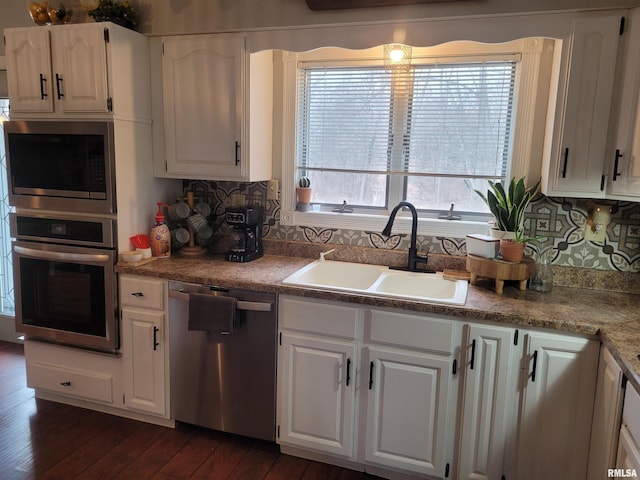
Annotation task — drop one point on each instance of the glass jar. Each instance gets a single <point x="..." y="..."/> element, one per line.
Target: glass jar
<point x="542" y="280"/>
<point x="39" y="12"/>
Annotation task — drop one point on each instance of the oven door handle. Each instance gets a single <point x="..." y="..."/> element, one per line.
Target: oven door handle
<point x="74" y="257"/>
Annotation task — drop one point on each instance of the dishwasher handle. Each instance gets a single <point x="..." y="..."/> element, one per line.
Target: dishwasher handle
<point x="240" y="304"/>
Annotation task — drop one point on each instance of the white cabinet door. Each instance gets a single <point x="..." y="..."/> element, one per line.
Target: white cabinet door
<point x="624" y="149"/>
<point x="607" y="411"/>
<point x="29" y="69"/>
<point x="143" y="344"/>
<point x="628" y="459"/>
<point x="491" y="371"/>
<point x="556" y="407"/>
<point x="203" y="92"/>
<point x="577" y="164"/>
<point x="79" y="60"/>
<point x="408" y="407"/>
<point x="58" y="69"/>
<point x="317" y="394"/>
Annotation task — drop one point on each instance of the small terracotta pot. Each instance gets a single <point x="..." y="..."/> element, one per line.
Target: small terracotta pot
<point x="304" y="194"/>
<point x="512" y="251"/>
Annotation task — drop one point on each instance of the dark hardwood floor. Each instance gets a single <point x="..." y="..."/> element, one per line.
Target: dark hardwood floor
<point x="40" y="439"/>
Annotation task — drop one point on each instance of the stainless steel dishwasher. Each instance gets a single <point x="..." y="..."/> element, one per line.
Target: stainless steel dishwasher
<point x="225" y="381"/>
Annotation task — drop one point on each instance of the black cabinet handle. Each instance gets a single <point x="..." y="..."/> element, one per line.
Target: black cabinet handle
<point x="535" y="366"/>
<point x="348" y="371"/>
<point x="564" y="164"/>
<point x="237" y="153"/>
<point x="155" y="338"/>
<point x="616" y="174"/>
<point x="370" y="375"/>
<point x="137" y="294"/>
<point x="473" y="354"/>
<point x="43" y="92"/>
<point x="65" y="384"/>
<point x="58" y="83"/>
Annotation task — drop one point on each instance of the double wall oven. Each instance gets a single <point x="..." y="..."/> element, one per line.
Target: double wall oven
<point x="61" y="181"/>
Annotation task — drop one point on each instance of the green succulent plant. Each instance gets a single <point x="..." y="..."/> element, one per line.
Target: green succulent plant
<point x="304" y="182"/>
<point x="508" y="205"/>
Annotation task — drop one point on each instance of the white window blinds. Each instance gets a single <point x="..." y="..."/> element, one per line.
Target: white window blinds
<point x="434" y="120"/>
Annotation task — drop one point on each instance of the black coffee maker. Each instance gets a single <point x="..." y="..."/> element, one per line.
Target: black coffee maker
<point x="247" y="225"/>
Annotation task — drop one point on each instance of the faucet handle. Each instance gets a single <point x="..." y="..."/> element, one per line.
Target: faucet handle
<point x="323" y="254"/>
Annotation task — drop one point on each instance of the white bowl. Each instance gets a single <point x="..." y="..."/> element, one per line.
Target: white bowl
<point x="131" y="257"/>
<point x="146" y="252"/>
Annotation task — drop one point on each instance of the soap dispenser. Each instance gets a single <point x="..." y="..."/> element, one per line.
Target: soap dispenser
<point x="160" y="235"/>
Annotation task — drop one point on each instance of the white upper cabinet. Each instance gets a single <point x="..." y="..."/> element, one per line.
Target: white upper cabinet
<point x="93" y="68"/>
<point x="623" y="150"/>
<point x="216" y="116"/>
<point x="576" y="156"/>
<point x="29" y="69"/>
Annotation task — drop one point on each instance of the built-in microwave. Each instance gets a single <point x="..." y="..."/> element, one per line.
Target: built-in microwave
<point x="61" y="165"/>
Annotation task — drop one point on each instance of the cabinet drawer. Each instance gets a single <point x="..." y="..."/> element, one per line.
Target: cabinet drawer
<point x="318" y="317"/>
<point x="77" y="383"/>
<point x="411" y="331"/>
<point x="142" y="292"/>
<point x="631" y="412"/>
<point x="56" y="368"/>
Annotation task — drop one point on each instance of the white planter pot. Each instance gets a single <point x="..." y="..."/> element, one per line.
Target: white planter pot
<point x="495" y="233"/>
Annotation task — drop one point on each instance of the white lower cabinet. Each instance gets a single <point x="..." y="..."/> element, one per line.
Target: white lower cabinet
<point x="73" y="373"/>
<point x="317" y="386"/>
<point x="491" y="370"/>
<point x="607" y="412"/>
<point x="143" y="349"/>
<point x="558" y="385"/>
<point x="348" y="388"/>
<point x="628" y="458"/>
<point x="408" y="405"/>
<point x="145" y="344"/>
<point x="414" y="395"/>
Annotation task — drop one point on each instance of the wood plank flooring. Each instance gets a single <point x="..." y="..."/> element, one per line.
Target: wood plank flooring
<point x="40" y="439"/>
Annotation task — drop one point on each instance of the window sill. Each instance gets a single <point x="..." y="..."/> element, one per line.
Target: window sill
<point x="357" y="221"/>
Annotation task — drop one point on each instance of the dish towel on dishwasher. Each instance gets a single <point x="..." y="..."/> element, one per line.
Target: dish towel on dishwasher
<point x="211" y="313"/>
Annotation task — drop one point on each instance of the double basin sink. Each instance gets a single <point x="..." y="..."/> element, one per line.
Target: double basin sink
<point x="381" y="281"/>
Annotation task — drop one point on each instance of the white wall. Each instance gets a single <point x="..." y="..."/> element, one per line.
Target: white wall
<point x="199" y="16"/>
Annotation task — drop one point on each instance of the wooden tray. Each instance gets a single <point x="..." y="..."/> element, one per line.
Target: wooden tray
<point x="499" y="270"/>
<point x="138" y="263"/>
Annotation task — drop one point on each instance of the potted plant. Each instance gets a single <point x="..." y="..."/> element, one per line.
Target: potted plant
<point x="303" y="190"/>
<point x="508" y="206"/>
<point x="113" y="11"/>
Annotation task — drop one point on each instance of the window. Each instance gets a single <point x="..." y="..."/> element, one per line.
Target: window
<point x="462" y="114"/>
<point x="7" y="306"/>
<point x="428" y="134"/>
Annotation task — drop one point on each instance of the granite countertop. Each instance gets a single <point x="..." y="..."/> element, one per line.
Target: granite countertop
<point x="613" y="316"/>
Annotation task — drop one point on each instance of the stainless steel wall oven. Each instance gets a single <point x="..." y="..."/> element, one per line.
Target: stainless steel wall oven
<point x="65" y="284"/>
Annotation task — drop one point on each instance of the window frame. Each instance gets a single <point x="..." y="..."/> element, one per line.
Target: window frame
<point x="533" y="73"/>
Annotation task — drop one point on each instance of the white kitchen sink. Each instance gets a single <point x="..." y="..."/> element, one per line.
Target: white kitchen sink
<point x="378" y="280"/>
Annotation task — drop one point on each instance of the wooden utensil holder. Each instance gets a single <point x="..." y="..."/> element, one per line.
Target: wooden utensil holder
<point x="500" y="271"/>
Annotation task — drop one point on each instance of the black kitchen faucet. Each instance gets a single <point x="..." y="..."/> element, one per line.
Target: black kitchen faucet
<point x="414" y="258"/>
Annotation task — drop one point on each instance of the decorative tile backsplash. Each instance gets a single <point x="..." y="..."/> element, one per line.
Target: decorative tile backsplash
<point x="560" y="220"/>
